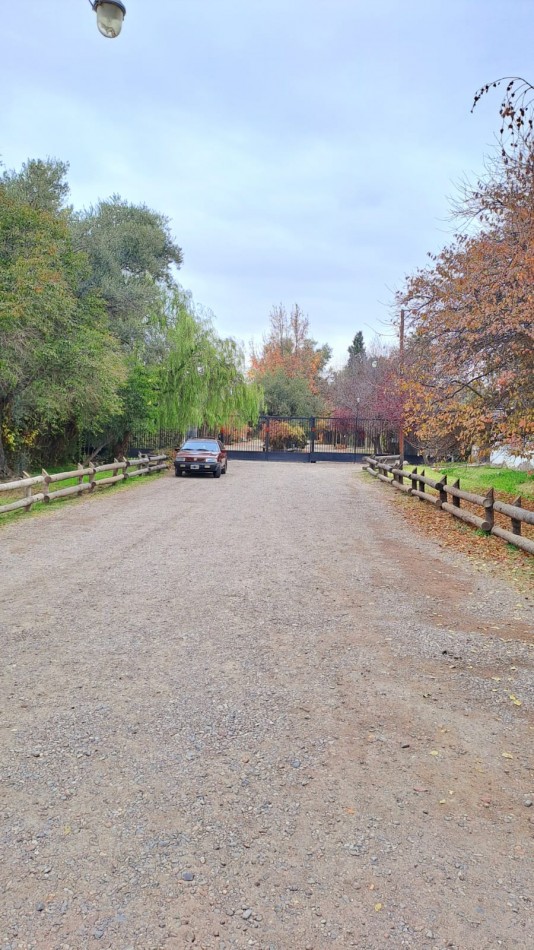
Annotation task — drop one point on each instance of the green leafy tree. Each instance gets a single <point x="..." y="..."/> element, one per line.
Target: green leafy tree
<point x="289" y="395"/>
<point x="58" y="361"/>
<point x="131" y="254"/>
<point x="203" y="380"/>
<point x="42" y="185"/>
<point x="96" y="336"/>
<point x="132" y="257"/>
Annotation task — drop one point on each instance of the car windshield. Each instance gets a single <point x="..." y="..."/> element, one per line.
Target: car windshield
<point x="204" y="446"/>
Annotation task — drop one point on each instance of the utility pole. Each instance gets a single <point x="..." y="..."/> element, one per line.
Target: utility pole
<point x="401" y="376"/>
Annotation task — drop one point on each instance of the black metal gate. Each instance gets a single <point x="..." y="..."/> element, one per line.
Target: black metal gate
<point x="290" y="439"/>
<point x="314" y="439"/>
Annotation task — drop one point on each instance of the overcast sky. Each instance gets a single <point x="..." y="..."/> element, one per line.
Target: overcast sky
<point x="304" y="150"/>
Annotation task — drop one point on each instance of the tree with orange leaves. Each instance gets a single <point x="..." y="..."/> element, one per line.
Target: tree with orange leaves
<point x="470" y="349"/>
<point x="291" y="365"/>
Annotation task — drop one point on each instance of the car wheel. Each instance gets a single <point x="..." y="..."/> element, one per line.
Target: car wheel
<point x="225" y="469"/>
<point x="177" y="473"/>
<point x="217" y="472"/>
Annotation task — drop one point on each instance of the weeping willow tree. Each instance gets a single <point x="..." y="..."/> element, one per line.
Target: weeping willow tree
<point x="202" y="381"/>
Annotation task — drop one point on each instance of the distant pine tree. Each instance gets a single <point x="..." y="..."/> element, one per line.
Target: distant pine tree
<point x="357" y="347"/>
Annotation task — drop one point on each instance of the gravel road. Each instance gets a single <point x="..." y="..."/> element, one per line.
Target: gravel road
<point x="255" y="712"/>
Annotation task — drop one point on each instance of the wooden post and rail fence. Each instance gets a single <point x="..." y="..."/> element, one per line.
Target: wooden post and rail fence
<point x="391" y="471"/>
<point x="87" y="481"/>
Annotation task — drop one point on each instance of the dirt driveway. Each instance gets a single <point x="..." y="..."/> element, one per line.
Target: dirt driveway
<point x="251" y="713"/>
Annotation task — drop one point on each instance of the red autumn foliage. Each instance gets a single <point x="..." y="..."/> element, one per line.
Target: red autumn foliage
<point x="470" y="349"/>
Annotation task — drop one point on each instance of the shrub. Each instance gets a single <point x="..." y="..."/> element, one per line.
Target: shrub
<point x="283" y="435"/>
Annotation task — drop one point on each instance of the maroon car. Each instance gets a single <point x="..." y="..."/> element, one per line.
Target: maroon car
<point x="202" y="456"/>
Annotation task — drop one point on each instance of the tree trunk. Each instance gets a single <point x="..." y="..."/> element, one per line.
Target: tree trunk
<point x="3" y="461"/>
<point x="95" y="452"/>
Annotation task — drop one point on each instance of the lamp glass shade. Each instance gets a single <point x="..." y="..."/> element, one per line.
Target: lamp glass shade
<point x="109" y="17"/>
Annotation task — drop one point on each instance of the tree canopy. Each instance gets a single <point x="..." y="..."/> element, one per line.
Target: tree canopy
<point x="40" y="184"/>
<point x="357" y="347"/>
<point x="291" y="365"/>
<point x="203" y="379"/>
<point x="97" y="338"/>
<point x="131" y="254"/>
<point x="470" y="355"/>
<point x="368" y="386"/>
<point x="58" y="361"/>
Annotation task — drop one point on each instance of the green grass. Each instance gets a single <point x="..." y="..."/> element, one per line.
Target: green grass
<point x="478" y="478"/>
<point x="41" y="506"/>
<point x="67" y="482"/>
<point x="486" y="476"/>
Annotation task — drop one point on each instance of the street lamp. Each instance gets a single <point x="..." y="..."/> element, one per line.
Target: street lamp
<point x="109" y="16"/>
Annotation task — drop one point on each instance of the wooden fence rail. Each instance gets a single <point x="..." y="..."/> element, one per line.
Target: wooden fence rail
<point x="121" y="469"/>
<point x="391" y="472"/>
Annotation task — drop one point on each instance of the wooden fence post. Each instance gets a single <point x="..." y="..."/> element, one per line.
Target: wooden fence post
<point x="442" y="492"/>
<point x="489" y="513"/>
<point x="46" y="485"/>
<point x="28" y="493"/>
<point x="422" y="484"/>
<point x="80" y="478"/>
<point x="92" y="478"/>
<point x="456" y="501"/>
<point x="516" y="524"/>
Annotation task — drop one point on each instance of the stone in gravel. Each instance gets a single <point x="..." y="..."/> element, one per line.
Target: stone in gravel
<point x="40" y="907"/>
<point x="528" y="803"/>
<point x="295" y="763"/>
<point x="188" y="876"/>
<point x="246" y="914"/>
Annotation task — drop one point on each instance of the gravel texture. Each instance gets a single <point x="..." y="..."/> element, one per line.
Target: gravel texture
<point x="259" y="712"/>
